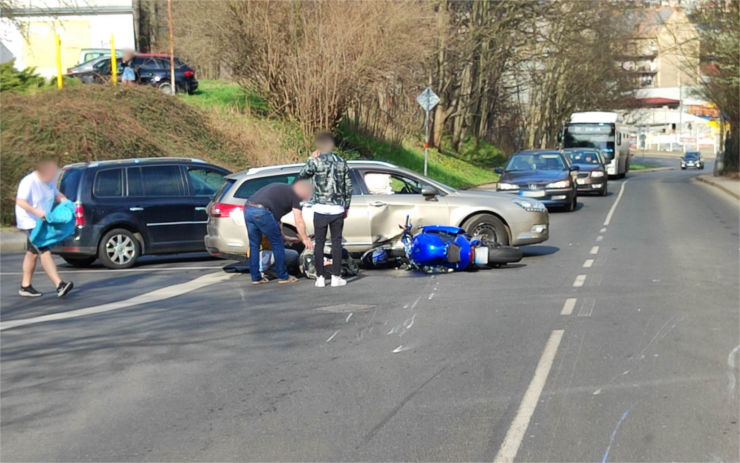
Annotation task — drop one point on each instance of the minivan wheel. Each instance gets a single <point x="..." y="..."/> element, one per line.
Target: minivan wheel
<point x="489" y="225"/>
<point x="119" y="249"/>
<point x="79" y="261"/>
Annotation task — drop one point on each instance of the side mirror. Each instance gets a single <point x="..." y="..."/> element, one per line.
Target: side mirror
<point x="499" y="170"/>
<point x="575" y="168"/>
<point x="428" y="192"/>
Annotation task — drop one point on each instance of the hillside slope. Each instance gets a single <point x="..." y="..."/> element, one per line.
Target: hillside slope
<point x="221" y="123"/>
<point x="84" y="123"/>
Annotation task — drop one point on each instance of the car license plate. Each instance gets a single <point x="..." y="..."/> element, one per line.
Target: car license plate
<point x="533" y="193"/>
<point x="581" y="181"/>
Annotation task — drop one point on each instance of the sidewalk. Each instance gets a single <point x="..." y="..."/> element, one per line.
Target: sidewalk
<point x="727" y="185"/>
<point x="12" y="240"/>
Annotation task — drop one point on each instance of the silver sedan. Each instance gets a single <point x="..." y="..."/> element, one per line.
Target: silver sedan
<point x="383" y="195"/>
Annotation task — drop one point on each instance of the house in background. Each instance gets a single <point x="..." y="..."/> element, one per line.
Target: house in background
<point x="664" y="57"/>
<point x="28" y="28"/>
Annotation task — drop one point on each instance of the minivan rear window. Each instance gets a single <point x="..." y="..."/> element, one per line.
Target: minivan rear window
<point x="250" y="187"/>
<point x="69" y="185"/>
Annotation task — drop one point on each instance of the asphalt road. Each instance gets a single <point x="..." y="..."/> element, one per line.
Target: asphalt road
<point x="611" y="342"/>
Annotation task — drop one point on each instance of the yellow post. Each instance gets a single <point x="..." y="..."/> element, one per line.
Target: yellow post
<point x="58" y="41"/>
<point x="113" y="61"/>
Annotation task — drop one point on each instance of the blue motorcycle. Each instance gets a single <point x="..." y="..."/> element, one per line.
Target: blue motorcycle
<point x="439" y="248"/>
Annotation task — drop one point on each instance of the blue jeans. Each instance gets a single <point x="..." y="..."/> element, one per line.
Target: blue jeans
<point x="259" y="222"/>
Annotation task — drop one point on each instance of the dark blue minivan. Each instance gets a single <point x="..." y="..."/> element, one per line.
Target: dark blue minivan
<point x="128" y="208"/>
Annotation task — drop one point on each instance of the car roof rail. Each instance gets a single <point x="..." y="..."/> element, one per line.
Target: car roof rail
<point x="136" y="161"/>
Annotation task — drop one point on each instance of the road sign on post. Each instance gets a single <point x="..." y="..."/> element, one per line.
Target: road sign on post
<point x="428" y="100"/>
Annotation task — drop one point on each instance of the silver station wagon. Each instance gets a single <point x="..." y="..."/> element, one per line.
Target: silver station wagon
<point x="383" y="195"/>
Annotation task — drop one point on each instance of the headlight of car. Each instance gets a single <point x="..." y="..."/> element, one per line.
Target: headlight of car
<point x="530" y="205"/>
<point x="560" y="184"/>
<point x="597" y="173"/>
<point x="507" y="186"/>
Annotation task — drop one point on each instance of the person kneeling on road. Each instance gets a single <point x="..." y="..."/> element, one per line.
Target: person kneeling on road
<point x="267" y="260"/>
<point x="331" y="199"/>
<point x="262" y="214"/>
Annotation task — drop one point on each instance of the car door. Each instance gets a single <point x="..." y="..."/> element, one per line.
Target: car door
<point x="393" y="195"/>
<point x="202" y="183"/>
<point x="166" y="209"/>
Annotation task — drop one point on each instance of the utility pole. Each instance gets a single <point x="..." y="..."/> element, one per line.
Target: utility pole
<point x="172" y="47"/>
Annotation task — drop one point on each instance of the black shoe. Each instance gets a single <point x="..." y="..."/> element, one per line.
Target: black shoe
<point x="29" y="291"/>
<point x="64" y="288"/>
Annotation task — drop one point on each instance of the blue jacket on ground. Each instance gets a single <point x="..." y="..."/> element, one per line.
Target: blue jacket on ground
<point x="59" y="224"/>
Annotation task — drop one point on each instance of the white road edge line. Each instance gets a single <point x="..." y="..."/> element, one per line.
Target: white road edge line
<point x="595" y="250"/>
<point x="616" y="203"/>
<point x="569" y="305"/>
<point x="579" y="281"/>
<point x="152" y="296"/>
<point x="588" y="263"/>
<point x="515" y="434"/>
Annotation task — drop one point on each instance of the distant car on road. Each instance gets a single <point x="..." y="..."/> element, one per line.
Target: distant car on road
<point x="692" y="159"/>
<point x="592" y="175"/>
<point x="128" y="208"/>
<point x="382" y="196"/>
<point x="89" y="54"/>
<point x="546" y="175"/>
<point x="151" y="69"/>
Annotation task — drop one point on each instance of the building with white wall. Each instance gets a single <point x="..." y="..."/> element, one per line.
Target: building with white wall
<point x="28" y="28"/>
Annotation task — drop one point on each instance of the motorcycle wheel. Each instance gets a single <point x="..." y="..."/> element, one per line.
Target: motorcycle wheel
<point x="501" y="255"/>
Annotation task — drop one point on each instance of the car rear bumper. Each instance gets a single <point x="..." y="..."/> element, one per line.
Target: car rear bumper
<point x="218" y="247"/>
<point x="84" y="242"/>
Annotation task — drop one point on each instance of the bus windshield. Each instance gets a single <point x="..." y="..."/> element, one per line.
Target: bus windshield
<point x="600" y="136"/>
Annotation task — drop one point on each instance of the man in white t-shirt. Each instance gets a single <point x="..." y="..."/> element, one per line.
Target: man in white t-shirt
<point x="36" y="196"/>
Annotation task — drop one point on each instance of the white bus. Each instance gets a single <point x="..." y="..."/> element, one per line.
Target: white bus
<point x="602" y="130"/>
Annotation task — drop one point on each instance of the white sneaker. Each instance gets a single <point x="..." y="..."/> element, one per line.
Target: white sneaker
<point x="320" y="282"/>
<point x="337" y="281"/>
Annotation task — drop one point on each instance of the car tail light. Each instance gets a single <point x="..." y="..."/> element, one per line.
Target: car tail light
<point x="79" y="216"/>
<point x="222" y="210"/>
<point x="189" y="73"/>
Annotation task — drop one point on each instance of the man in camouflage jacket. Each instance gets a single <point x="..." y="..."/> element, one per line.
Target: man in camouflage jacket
<point x="331" y="200"/>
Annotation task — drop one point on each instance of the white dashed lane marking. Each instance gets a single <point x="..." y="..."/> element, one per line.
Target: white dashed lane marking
<point x="579" y="281"/>
<point x="594" y="250"/>
<point x="570" y="303"/>
<point x="588" y="263"/>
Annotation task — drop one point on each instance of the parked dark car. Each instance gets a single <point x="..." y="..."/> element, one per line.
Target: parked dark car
<point x="592" y="176"/>
<point x="151" y="69"/>
<point x="692" y="159"/>
<point x="128" y="208"/>
<point x="546" y="175"/>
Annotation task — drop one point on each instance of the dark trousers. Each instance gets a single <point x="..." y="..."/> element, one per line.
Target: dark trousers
<point x="259" y="222"/>
<point x="321" y="224"/>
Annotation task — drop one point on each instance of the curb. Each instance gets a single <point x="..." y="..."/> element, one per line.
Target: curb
<point x="12" y="241"/>
<point x="706" y="180"/>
